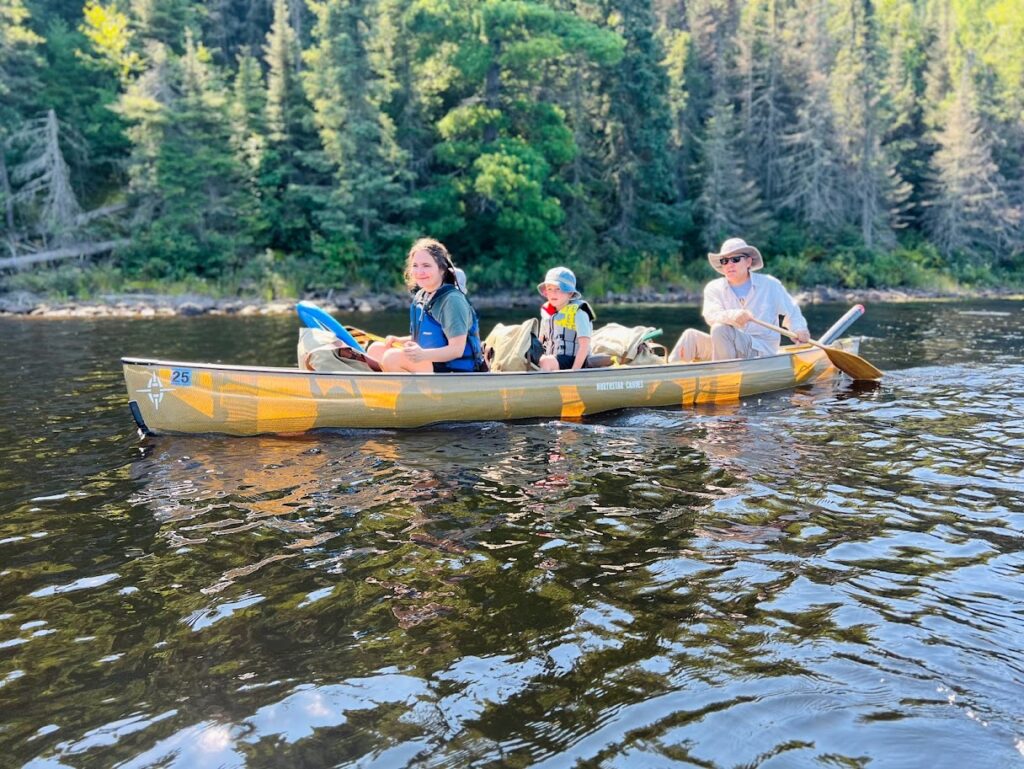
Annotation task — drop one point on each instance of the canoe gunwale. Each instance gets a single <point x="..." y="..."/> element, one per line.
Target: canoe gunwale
<point x="789" y="350"/>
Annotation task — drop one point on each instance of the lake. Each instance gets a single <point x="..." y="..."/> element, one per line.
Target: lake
<point x="831" y="576"/>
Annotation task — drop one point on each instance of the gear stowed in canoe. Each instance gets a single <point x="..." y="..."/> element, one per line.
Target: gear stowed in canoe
<point x="182" y="397"/>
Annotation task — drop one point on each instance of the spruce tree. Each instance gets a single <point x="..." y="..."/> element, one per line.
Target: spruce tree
<point x="814" y="182"/>
<point x="282" y="57"/>
<point x="203" y="215"/>
<point x="764" y="101"/>
<point x="248" y="114"/>
<point x="42" y="179"/>
<point x="18" y="71"/>
<point x="163" y="21"/>
<point x="145" y="105"/>
<point x="968" y="210"/>
<point x="589" y="194"/>
<point x="678" y="50"/>
<point x="730" y="203"/>
<point x="861" y="111"/>
<point x="83" y="90"/>
<point x="349" y="87"/>
<point x="901" y="50"/>
<point x="644" y="219"/>
<point x="19" y="61"/>
<point x="294" y="179"/>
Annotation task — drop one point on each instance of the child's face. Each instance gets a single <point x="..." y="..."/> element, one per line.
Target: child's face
<point x="556" y="296"/>
<point x="424" y="271"/>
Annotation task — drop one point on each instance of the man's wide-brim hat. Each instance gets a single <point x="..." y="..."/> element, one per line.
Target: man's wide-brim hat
<point x="736" y="247"/>
<point x="562" y="277"/>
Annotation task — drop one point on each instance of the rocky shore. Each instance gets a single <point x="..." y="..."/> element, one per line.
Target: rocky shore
<point x="25" y="304"/>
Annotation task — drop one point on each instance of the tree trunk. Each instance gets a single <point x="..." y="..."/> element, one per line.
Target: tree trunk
<point x="5" y="189"/>
<point x="67" y="252"/>
<point x="492" y="89"/>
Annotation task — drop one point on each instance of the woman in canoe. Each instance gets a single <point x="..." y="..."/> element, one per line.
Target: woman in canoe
<point x="444" y="332"/>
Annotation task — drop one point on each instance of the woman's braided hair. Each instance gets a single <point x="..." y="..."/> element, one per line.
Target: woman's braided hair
<point x="440" y="256"/>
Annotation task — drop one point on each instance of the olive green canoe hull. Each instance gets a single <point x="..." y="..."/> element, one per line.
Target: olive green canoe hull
<point x="177" y="397"/>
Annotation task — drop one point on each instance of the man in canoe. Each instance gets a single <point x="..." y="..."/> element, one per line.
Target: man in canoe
<point x="444" y="332"/>
<point x="731" y="302"/>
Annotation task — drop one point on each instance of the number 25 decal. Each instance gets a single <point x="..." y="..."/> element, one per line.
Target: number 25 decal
<point x="181" y="377"/>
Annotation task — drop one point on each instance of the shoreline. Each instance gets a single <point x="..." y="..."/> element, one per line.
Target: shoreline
<point x="28" y="305"/>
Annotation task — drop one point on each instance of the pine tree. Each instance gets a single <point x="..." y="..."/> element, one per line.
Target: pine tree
<point x="813" y="173"/>
<point x="202" y="213"/>
<point x="282" y="56"/>
<point x="163" y="21"/>
<point x="968" y="208"/>
<point x="43" y="178"/>
<point x="18" y="71"/>
<point x="644" y="219"/>
<point x="294" y="177"/>
<point x="18" y="62"/>
<point x="349" y="88"/>
<point x="730" y="203"/>
<point x="874" y="185"/>
<point x="764" y="108"/>
<point x="248" y="112"/>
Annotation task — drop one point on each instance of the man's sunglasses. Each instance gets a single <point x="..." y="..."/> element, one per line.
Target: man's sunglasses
<point x="734" y="259"/>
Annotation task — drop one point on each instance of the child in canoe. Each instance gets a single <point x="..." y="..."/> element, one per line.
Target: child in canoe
<point x="444" y="332"/>
<point x="566" y="322"/>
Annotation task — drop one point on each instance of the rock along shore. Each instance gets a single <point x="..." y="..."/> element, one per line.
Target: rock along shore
<point x="28" y="305"/>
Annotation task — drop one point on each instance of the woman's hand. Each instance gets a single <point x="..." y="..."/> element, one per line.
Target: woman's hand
<point x="414" y="352"/>
<point x="802" y="336"/>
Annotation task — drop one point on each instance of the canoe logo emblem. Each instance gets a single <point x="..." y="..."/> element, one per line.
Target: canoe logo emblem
<point x="155" y="390"/>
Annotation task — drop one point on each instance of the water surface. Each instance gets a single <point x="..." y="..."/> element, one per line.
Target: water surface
<point x="825" y="577"/>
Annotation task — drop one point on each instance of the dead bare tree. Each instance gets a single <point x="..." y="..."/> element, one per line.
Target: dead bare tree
<point x="43" y="177"/>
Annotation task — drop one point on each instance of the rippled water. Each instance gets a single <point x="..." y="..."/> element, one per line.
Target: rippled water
<point x="824" y="577"/>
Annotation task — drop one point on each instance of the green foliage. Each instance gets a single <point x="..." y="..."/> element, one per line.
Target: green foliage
<point x="514" y="220"/>
<point x="67" y="281"/>
<point x="18" y="63"/>
<point x="109" y="33"/>
<point x="291" y="146"/>
<point x="82" y="92"/>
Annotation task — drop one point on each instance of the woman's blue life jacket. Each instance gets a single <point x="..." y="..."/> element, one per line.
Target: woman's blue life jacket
<point x="428" y="333"/>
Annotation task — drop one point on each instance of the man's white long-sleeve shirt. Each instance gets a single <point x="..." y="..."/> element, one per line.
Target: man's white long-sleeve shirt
<point x="767" y="300"/>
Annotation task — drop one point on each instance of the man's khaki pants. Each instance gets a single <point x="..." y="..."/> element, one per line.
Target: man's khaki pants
<point x="723" y="343"/>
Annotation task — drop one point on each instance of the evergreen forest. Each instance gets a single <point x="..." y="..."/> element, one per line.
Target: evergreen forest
<point x="285" y="146"/>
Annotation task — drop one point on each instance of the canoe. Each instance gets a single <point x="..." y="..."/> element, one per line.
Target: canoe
<point x="181" y="397"/>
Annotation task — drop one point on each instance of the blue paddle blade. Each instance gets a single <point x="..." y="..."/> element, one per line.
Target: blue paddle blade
<point x="314" y="317"/>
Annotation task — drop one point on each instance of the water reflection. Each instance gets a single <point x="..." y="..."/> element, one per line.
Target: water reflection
<point x="817" y="577"/>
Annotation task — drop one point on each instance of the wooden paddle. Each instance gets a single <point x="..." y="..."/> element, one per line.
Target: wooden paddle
<point x="854" y="366"/>
<point x="364" y="337"/>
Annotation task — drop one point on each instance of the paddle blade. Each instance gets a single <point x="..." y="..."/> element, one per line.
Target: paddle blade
<point x="853" y="366"/>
